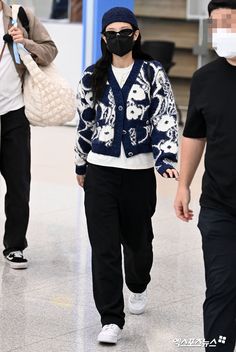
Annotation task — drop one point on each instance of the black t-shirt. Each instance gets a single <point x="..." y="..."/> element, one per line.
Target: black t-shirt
<point x="212" y="114"/>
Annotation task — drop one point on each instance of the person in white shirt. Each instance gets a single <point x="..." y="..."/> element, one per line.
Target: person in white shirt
<point x="15" y="129"/>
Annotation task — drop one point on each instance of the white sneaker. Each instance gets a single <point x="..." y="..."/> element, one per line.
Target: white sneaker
<point x="16" y="260"/>
<point x="137" y="302"/>
<point x="110" y="334"/>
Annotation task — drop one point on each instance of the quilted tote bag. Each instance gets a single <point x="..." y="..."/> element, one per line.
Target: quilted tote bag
<point x="48" y="98"/>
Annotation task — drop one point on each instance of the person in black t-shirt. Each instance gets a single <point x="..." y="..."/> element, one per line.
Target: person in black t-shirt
<point x="211" y="123"/>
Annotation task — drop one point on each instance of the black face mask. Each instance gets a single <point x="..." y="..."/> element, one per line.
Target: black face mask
<point x="120" y="45"/>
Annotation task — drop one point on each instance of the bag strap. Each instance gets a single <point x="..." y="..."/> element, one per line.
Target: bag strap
<point x="19" y="12"/>
<point x="15" y="15"/>
<point x="2" y="51"/>
<point x="15" y="11"/>
<point x="24" y="19"/>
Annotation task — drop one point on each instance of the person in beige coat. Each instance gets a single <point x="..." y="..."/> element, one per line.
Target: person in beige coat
<point x="15" y="129"/>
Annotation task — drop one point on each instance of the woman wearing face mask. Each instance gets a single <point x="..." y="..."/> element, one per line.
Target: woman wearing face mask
<point x="127" y="123"/>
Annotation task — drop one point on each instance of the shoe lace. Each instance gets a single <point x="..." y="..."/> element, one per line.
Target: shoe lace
<point x="17" y="254"/>
<point x="138" y="296"/>
<point x="110" y="327"/>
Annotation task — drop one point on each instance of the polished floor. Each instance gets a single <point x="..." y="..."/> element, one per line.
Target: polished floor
<point x="50" y="308"/>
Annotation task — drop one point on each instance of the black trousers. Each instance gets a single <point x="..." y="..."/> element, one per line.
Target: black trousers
<point x="15" y="168"/>
<point x="119" y="205"/>
<point x="218" y="230"/>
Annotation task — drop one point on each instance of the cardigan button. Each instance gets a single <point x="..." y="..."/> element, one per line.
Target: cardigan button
<point x="120" y="108"/>
<point x="130" y="154"/>
<point x="124" y="132"/>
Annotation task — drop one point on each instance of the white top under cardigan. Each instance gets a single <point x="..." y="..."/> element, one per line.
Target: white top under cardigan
<point x="11" y="97"/>
<point x="140" y="161"/>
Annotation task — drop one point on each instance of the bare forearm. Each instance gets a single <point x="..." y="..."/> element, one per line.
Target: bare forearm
<point x="191" y="153"/>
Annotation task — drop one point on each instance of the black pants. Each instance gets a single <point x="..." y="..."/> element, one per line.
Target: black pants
<point x="15" y="168"/>
<point x="218" y="230"/>
<point x="119" y="205"/>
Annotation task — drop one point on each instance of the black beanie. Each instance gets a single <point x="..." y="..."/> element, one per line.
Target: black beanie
<point x="216" y="4"/>
<point x="119" y="14"/>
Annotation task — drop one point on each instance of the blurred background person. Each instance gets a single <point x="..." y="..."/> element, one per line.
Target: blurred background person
<point x="76" y="10"/>
<point x="59" y="9"/>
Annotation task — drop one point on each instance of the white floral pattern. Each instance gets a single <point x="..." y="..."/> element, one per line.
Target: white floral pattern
<point x="134" y="112"/>
<point x="133" y="136"/>
<point x="137" y="93"/>
<point x="106" y="133"/>
<point x="166" y="122"/>
<point x="169" y="147"/>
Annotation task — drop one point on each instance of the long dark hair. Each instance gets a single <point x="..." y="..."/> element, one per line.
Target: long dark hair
<point x="100" y="73"/>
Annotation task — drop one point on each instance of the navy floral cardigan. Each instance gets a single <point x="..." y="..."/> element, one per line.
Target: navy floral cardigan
<point x="142" y="115"/>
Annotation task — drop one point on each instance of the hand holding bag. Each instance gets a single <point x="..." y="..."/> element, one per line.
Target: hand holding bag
<point x="48" y="98"/>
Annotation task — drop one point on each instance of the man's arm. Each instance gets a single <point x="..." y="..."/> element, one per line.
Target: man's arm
<point x="191" y="153"/>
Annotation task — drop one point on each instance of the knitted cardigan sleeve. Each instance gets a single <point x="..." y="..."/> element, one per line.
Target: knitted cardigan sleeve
<point x="86" y="123"/>
<point x="164" y="124"/>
